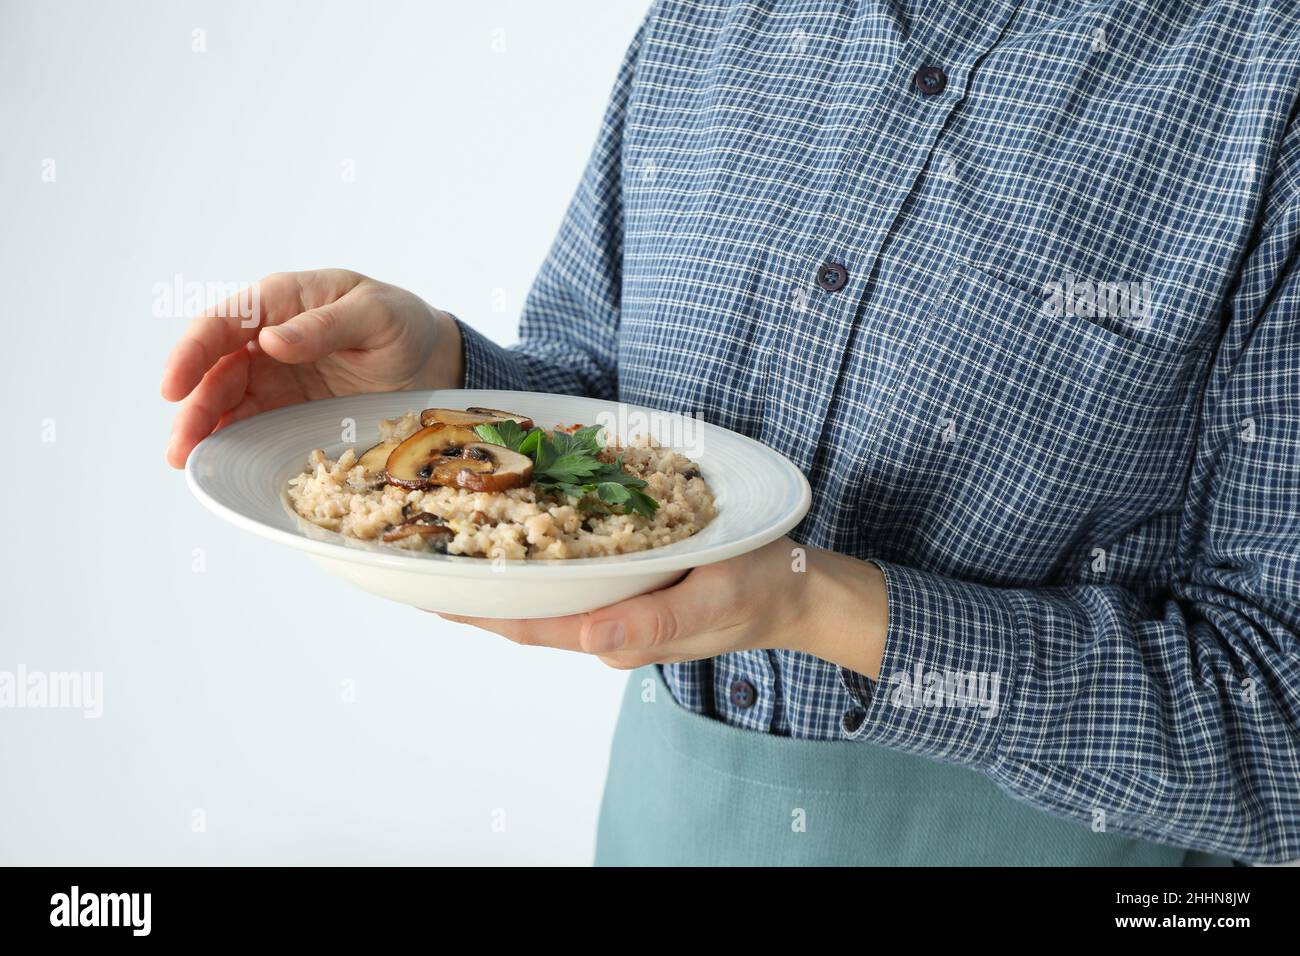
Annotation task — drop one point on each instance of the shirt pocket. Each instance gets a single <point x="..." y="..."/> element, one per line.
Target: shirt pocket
<point x="1020" y="441"/>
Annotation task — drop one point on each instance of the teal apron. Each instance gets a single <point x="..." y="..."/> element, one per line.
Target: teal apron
<point x="688" y="790"/>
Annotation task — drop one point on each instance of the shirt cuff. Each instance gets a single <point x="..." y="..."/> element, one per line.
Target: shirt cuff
<point x="488" y="365"/>
<point x="946" y="679"/>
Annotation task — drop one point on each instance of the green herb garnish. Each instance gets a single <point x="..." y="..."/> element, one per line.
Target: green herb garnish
<point x="505" y="432"/>
<point x="569" y="464"/>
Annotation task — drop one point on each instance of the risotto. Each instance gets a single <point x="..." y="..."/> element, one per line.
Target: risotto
<point x="433" y="484"/>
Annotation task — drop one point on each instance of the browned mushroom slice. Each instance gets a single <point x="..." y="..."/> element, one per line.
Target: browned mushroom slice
<point x="497" y="414"/>
<point x="509" y="468"/>
<point x="423" y="517"/>
<point x="470" y="417"/>
<point x="453" y="416"/>
<point x="433" y="534"/>
<point x="433" y="456"/>
<point x="375" y="458"/>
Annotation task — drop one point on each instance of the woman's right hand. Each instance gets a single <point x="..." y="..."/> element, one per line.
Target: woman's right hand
<point x="323" y="333"/>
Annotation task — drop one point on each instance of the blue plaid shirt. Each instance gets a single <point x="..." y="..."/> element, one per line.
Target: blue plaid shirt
<point x="1029" y="321"/>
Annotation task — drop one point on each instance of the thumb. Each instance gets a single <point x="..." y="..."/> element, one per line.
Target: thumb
<point x="316" y="333"/>
<point x="646" y="622"/>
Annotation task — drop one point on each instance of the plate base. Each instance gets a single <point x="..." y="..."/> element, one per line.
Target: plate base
<point x="481" y="597"/>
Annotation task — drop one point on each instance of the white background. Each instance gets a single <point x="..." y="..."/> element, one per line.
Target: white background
<point x="467" y="125"/>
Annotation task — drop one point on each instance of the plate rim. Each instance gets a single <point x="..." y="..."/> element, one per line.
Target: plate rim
<point x="556" y="568"/>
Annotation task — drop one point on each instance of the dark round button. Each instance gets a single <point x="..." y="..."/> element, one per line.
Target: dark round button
<point x="743" y="694"/>
<point x="930" y="80"/>
<point x="832" y="276"/>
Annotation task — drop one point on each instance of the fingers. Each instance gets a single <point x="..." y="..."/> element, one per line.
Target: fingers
<point x="648" y="621"/>
<point x="223" y="329"/>
<point x="691" y="620"/>
<point x="558" y="632"/>
<point x="349" y="323"/>
<point x="221" y="389"/>
<point x="672" y="624"/>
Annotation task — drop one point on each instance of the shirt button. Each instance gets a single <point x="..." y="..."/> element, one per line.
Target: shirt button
<point x="930" y="80"/>
<point x="832" y="276"/>
<point x="743" y="694"/>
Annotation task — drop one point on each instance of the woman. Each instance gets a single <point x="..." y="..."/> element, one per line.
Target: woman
<point x="1015" y="285"/>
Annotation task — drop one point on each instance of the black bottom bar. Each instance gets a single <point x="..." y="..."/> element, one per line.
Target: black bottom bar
<point x="365" y="905"/>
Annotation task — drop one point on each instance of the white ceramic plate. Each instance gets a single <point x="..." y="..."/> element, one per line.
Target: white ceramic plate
<point x="241" y="473"/>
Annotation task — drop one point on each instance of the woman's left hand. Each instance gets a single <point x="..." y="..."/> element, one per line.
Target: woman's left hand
<point x="783" y="595"/>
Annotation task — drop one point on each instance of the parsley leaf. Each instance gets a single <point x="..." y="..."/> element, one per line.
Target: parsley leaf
<point x="613" y="493"/>
<point x="573" y="468"/>
<point x="529" y="445"/>
<point x="616" y="473"/>
<point x="589" y="439"/>
<point x="642" y="503"/>
<point x="569" y="463"/>
<point x="505" y="432"/>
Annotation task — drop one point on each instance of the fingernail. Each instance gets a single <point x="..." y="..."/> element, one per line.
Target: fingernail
<point x="287" y="333"/>
<point x="607" y="636"/>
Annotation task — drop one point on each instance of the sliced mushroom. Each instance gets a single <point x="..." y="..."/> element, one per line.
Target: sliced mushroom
<point x="497" y="414"/>
<point x="424" y="517"/>
<point x="509" y="468"/>
<point x="375" y="458"/>
<point x="470" y="417"/>
<point x="433" y="456"/>
<point x="435" y="535"/>
<point x="452" y="416"/>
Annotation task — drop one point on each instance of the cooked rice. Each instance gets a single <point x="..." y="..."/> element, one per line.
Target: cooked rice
<point x="520" y="523"/>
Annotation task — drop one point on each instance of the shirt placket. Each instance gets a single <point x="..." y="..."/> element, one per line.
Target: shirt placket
<point x="878" y="172"/>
